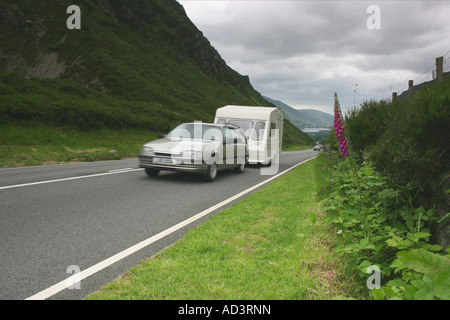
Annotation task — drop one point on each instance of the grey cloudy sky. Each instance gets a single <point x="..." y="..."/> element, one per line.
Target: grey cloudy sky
<point x="301" y="52"/>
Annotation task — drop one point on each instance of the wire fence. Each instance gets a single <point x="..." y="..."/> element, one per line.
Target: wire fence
<point x="427" y="77"/>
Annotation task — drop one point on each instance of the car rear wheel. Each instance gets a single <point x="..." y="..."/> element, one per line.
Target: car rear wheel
<point x="211" y="173"/>
<point x="239" y="168"/>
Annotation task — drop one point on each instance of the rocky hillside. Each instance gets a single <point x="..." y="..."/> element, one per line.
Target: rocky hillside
<point x="138" y="50"/>
<point x="135" y="63"/>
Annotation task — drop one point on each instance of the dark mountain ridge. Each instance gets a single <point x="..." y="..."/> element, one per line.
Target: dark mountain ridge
<point x="138" y="50"/>
<point x="135" y="63"/>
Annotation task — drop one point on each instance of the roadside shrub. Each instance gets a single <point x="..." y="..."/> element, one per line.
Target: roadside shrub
<point x="366" y="125"/>
<point x="414" y="144"/>
<point x="389" y="201"/>
<point x="379" y="225"/>
<point x="407" y="140"/>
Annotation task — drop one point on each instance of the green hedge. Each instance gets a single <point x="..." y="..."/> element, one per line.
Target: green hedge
<point x="408" y="140"/>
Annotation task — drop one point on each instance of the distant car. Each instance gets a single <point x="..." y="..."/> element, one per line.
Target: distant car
<point x="197" y="147"/>
<point x="316" y="147"/>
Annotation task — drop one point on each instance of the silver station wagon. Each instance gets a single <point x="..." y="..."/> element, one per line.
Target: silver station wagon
<point x="197" y="147"/>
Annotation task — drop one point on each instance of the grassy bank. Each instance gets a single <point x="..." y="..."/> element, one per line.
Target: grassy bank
<point x="42" y="144"/>
<point x="271" y="245"/>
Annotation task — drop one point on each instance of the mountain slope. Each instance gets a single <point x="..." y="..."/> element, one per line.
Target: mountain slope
<point x="304" y="118"/>
<point x="135" y="51"/>
<point x="134" y="64"/>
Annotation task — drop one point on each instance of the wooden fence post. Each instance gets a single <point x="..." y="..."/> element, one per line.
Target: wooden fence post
<point x="410" y="89"/>
<point x="439" y="68"/>
<point x="439" y="77"/>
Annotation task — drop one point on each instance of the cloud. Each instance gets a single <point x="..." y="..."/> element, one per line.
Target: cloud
<point x="301" y="52"/>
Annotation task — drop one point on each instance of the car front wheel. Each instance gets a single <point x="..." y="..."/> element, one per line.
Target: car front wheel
<point x="211" y="173"/>
<point x="151" y="172"/>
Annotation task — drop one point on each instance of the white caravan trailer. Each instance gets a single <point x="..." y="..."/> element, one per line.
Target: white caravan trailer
<point x="263" y="128"/>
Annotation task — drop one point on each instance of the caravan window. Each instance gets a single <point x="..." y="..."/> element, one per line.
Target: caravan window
<point x="246" y="126"/>
<point x="258" y="133"/>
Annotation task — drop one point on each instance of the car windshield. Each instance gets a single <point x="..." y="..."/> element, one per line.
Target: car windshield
<point x="195" y="131"/>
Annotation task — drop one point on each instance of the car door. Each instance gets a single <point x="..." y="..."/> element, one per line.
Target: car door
<point x="229" y="147"/>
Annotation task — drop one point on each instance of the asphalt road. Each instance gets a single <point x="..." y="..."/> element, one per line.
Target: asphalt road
<point x="57" y="221"/>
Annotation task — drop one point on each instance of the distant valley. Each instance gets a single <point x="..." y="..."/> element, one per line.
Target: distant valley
<point x="306" y="118"/>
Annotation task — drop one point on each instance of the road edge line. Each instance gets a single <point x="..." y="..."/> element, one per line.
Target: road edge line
<point x="111" y="172"/>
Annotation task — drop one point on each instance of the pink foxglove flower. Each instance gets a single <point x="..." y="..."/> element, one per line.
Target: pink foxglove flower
<point x="339" y="129"/>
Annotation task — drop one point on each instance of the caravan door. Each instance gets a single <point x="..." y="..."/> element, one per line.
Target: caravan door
<point x="260" y="139"/>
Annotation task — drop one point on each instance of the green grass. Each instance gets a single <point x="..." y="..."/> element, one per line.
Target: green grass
<point x="271" y="245"/>
<point x="42" y="144"/>
<point x="296" y="147"/>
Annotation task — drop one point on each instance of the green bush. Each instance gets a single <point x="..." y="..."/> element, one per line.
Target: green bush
<point x="407" y="140"/>
<point x="366" y="125"/>
<point x="391" y="198"/>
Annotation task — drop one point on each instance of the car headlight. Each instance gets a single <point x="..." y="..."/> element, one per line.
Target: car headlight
<point x="192" y="154"/>
<point x="148" y="151"/>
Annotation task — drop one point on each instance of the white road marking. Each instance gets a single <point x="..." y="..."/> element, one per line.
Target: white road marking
<point x="121" y="255"/>
<point x="70" y="178"/>
<point x="120" y="170"/>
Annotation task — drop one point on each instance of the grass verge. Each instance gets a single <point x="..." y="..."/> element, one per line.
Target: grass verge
<point x="271" y="245"/>
<point x="42" y="144"/>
